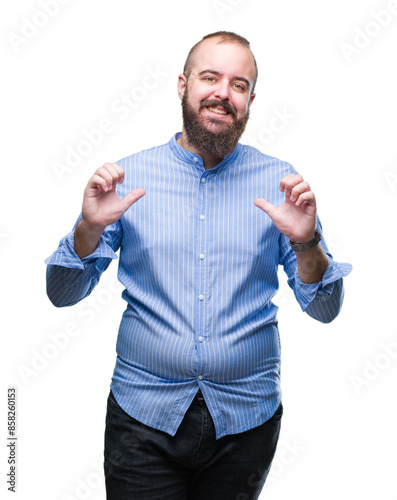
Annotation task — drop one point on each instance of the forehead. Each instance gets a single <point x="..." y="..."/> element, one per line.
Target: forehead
<point x="228" y="58"/>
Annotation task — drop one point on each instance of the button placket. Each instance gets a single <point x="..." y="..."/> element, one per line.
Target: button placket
<point x="200" y="275"/>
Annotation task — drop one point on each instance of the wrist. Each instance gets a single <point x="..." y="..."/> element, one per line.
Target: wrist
<point x="312" y="264"/>
<point x="86" y="239"/>
<point x="91" y="229"/>
<point x="307" y="245"/>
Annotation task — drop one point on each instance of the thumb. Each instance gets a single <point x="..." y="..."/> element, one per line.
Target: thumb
<point x="265" y="206"/>
<point x="130" y="198"/>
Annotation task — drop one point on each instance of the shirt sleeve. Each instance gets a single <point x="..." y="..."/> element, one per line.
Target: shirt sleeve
<point x="322" y="300"/>
<point x="71" y="279"/>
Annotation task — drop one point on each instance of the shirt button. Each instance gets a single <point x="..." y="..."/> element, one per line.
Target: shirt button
<point x="196" y="159"/>
<point x="201" y="297"/>
<point x="201" y="339"/>
<point x="202" y="256"/>
<point x="200" y="377"/>
<point x="202" y="217"/>
<point x="203" y="180"/>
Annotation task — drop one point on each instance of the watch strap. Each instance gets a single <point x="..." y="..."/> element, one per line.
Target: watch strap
<point x="301" y="247"/>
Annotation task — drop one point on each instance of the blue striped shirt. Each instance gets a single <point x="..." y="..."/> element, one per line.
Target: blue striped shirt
<point x="199" y="265"/>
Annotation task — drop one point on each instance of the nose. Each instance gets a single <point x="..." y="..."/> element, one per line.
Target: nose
<point x="222" y="90"/>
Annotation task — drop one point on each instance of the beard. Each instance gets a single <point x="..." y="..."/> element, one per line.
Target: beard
<point x="198" y="129"/>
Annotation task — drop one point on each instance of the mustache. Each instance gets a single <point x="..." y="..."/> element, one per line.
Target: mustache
<point x="213" y="103"/>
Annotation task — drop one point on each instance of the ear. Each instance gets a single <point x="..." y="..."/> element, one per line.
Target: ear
<point x="251" y="99"/>
<point x="182" y="84"/>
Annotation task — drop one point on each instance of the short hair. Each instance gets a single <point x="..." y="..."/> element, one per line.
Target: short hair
<point x="224" y="37"/>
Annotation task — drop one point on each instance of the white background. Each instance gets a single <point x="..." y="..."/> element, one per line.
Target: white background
<point x="338" y="435"/>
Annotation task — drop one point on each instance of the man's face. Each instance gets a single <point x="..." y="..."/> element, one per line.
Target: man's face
<point x="217" y="96"/>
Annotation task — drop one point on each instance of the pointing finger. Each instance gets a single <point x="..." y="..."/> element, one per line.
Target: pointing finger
<point x="133" y="197"/>
<point x="265" y="206"/>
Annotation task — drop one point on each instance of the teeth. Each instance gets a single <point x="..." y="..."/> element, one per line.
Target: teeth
<point x="218" y="111"/>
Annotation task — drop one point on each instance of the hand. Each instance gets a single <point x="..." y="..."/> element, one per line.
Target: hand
<point x="296" y="217"/>
<point x="101" y="205"/>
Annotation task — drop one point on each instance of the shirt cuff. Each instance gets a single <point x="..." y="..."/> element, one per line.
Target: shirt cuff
<point x="306" y="292"/>
<point x="65" y="255"/>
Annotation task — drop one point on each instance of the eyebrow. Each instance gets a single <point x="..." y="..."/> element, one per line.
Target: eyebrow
<point x="213" y="72"/>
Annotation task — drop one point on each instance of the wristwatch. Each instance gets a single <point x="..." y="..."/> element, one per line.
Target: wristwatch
<point x="301" y="247"/>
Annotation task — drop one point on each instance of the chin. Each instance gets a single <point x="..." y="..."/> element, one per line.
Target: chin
<point x="215" y="123"/>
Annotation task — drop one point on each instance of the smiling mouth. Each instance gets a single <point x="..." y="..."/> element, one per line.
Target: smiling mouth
<point x="218" y="111"/>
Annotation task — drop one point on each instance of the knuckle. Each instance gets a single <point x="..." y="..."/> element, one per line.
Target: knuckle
<point x="96" y="178"/>
<point x="101" y="171"/>
<point x="106" y="174"/>
<point x="114" y="171"/>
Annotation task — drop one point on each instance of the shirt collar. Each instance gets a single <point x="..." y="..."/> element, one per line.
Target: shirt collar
<point x="196" y="160"/>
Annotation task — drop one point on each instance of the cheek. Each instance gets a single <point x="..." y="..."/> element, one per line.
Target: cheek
<point x="196" y="97"/>
<point x="242" y="107"/>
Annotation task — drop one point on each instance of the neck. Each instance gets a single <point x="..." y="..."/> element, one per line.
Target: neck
<point x="208" y="160"/>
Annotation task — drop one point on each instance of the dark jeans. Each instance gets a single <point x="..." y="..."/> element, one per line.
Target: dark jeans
<point x="142" y="463"/>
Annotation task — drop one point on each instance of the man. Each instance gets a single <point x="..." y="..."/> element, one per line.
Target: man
<point x="195" y="407"/>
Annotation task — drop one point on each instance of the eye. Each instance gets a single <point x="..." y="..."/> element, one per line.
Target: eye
<point x="209" y="79"/>
<point x="240" y="87"/>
